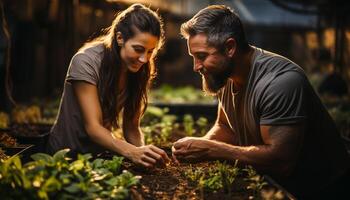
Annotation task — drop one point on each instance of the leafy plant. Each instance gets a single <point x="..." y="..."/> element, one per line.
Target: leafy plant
<point x="188" y="124"/>
<point x="202" y="124"/>
<point x="56" y="177"/>
<point x="157" y="125"/>
<point x="256" y="182"/>
<point x="221" y="176"/>
<point x="185" y="94"/>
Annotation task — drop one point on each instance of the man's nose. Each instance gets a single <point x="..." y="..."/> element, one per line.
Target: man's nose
<point x="197" y="66"/>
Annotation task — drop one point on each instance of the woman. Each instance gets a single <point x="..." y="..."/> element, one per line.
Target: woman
<point x="107" y="78"/>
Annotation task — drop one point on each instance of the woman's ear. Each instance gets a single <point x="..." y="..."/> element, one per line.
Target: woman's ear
<point x="120" y="39"/>
<point x="230" y="47"/>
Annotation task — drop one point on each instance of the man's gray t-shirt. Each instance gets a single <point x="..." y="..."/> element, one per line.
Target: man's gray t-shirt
<point x="68" y="130"/>
<point x="279" y="93"/>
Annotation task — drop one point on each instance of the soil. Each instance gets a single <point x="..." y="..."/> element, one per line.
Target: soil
<point x="170" y="182"/>
<point x="29" y="130"/>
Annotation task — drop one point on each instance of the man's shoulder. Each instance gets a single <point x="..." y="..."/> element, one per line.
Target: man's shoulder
<point x="265" y="57"/>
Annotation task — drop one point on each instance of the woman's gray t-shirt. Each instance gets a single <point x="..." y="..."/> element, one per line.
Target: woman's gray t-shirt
<point x="68" y="130"/>
<point x="279" y="93"/>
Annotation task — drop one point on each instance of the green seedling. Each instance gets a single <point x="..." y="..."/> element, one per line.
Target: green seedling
<point x="59" y="177"/>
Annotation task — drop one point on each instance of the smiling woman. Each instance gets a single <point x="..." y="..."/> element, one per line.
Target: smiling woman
<point x="109" y="76"/>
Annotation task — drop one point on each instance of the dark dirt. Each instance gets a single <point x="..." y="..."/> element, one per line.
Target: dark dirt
<point x="171" y="183"/>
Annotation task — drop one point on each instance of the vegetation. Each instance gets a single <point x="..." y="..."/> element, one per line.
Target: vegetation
<point x="222" y="177"/>
<point x="161" y="128"/>
<point x="219" y="176"/>
<point x="55" y="177"/>
<point x="186" y="94"/>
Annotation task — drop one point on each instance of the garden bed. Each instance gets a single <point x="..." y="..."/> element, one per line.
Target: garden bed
<point x="34" y="134"/>
<point x="23" y="150"/>
<point x="182" y="181"/>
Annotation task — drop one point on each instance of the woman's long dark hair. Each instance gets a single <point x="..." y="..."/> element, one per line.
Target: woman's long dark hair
<point x="143" y="19"/>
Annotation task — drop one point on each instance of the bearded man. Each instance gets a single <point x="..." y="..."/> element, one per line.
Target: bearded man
<point x="269" y="116"/>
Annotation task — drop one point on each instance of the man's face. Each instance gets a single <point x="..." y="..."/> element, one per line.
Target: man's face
<point x="214" y="66"/>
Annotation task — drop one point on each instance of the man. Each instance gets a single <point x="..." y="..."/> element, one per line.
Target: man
<point x="268" y="114"/>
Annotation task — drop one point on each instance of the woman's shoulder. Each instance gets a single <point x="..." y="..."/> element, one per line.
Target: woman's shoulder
<point x="90" y="53"/>
<point x="92" y="49"/>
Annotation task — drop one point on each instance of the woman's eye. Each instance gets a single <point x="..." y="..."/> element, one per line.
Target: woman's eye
<point x="139" y="50"/>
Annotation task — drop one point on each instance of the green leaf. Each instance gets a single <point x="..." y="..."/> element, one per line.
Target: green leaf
<point x="97" y="163"/>
<point x="52" y="184"/>
<point x="17" y="162"/>
<point x="112" y="182"/>
<point x="85" y="157"/>
<point x="42" y="157"/>
<point x="73" y="188"/>
<point x="76" y="165"/>
<point x="60" y="155"/>
<point x="42" y="194"/>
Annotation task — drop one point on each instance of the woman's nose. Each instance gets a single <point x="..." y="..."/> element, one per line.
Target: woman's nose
<point x="143" y="58"/>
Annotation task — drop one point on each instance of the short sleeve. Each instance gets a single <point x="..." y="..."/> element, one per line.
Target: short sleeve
<point x="283" y="100"/>
<point x="82" y="68"/>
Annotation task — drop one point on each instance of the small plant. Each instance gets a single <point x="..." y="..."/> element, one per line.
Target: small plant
<point x="188" y="124"/>
<point x="256" y="182"/>
<point x="186" y="94"/>
<point x="157" y="126"/>
<point x="220" y="176"/>
<point x="55" y="177"/>
<point x="202" y="124"/>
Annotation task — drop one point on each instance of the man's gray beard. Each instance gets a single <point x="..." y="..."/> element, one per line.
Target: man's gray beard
<point x="211" y="85"/>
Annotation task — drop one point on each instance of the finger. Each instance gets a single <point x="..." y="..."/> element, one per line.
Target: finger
<point x="149" y="152"/>
<point x="145" y="164"/>
<point x="178" y="144"/>
<point x="186" y="152"/>
<point x="175" y="159"/>
<point x="181" y="152"/>
<point x="148" y="159"/>
<point x="160" y="152"/>
<point x="195" y="155"/>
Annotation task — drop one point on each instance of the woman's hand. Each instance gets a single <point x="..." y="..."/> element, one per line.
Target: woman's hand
<point x="148" y="156"/>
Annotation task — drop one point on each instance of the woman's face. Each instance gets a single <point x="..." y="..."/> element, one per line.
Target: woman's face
<point x="137" y="50"/>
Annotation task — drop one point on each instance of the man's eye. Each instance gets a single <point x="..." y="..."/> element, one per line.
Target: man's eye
<point x="201" y="56"/>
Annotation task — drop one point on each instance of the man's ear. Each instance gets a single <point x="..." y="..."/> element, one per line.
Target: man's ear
<point x="230" y="47"/>
<point x="120" y="39"/>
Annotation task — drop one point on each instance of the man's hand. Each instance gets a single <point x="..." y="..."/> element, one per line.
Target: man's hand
<point x="191" y="148"/>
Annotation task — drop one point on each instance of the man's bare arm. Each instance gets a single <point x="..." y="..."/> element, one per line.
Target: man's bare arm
<point x="277" y="155"/>
<point x="221" y="130"/>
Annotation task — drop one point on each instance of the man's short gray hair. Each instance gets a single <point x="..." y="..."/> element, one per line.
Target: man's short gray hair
<point x="218" y="22"/>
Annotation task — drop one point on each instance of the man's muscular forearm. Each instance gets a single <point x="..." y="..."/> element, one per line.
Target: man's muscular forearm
<point x="220" y="132"/>
<point x="277" y="155"/>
